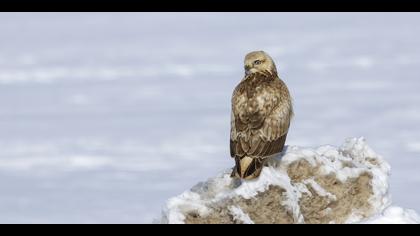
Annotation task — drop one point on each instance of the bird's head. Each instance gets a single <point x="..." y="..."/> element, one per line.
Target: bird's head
<point x="259" y="62"/>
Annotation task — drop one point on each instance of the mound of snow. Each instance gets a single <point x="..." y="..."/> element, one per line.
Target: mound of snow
<point x="395" y="215"/>
<point x="303" y="185"/>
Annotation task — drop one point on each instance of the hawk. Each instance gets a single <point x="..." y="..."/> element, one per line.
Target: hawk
<point x="261" y="114"/>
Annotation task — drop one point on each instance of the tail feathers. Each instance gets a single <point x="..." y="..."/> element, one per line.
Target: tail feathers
<point x="247" y="167"/>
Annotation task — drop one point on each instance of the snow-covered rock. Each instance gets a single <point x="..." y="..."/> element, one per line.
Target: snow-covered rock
<point x="348" y="184"/>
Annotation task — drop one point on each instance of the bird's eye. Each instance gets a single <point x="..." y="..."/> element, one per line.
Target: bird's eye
<point x="257" y="62"/>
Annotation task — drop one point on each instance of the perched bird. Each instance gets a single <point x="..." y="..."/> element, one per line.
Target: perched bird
<point x="261" y="114"/>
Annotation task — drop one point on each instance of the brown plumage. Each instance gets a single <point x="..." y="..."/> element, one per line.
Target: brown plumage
<point x="261" y="114"/>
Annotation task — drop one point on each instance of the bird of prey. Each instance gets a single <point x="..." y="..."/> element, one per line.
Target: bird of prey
<point x="261" y="114"/>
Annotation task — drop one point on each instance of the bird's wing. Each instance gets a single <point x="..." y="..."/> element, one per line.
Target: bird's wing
<point x="262" y="133"/>
<point x="270" y="138"/>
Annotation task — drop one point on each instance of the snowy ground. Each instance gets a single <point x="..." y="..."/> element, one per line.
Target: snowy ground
<point x="223" y="198"/>
<point x="104" y="116"/>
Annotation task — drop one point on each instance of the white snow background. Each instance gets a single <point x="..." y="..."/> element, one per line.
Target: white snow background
<point x="105" y="116"/>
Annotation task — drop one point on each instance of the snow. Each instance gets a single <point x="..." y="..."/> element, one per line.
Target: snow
<point x="318" y="189"/>
<point x="188" y="201"/>
<point x="104" y="116"/>
<point x="331" y="160"/>
<point x="241" y="216"/>
<point x="395" y="215"/>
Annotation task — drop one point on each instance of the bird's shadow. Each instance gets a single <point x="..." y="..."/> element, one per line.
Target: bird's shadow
<point x="274" y="160"/>
<point x="280" y="155"/>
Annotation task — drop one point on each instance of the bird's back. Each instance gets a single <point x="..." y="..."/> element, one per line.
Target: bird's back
<point x="261" y="113"/>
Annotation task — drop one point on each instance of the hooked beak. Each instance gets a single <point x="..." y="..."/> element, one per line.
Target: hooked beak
<point x="247" y="69"/>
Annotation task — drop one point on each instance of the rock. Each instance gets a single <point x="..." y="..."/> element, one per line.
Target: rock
<point x="302" y="185"/>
